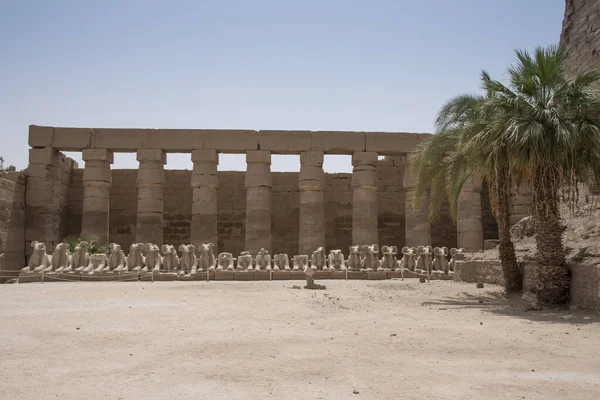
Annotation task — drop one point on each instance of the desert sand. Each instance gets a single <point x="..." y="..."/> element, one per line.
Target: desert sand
<point x="260" y="340"/>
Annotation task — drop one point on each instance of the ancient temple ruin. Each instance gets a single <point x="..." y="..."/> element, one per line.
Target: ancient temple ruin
<point x="287" y="213"/>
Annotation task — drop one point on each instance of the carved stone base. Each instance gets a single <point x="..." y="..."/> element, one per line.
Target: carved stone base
<point x="224" y="276"/>
<point x="244" y="275"/>
<point x="282" y="275"/>
<point x="376" y="275"/>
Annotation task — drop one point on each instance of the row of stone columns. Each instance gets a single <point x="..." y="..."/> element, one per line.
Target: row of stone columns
<point x="258" y="183"/>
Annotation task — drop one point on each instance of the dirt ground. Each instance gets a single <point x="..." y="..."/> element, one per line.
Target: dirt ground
<point x="259" y="340"/>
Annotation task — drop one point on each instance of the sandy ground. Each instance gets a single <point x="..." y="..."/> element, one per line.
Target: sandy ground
<point x="260" y="340"/>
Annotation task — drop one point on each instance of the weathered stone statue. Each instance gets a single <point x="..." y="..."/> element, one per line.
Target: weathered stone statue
<point x="153" y="260"/>
<point x="98" y="263"/>
<point x="135" y="259"/>
<point x="336" y="260"/>
<point x="80" y="258"/>
<point x="225" y="262"/>
<point x="263" y="260"/>
<point x="116" y="258"/>
<point x="188" y="263"/>
<point x="60" y="257"/>
<point x="244" y="261"/>
<point x="170" y="259"/>
<point x="370" y="255"/>
<point x="281" y="262"/>
<point x="355" y="261"/>
<point x="207" y="259"/>
<point x="39" y="260"/>
<point x="408" y="261"/>
<point x="318" y="260"/>
<point x="300" y="262"/>
<point x="424" y="254"/>
<point x="310" y="281"/>
<point x="456" y="254"/>
<point x="440" y="260"/>
<point x="389" y="262"/>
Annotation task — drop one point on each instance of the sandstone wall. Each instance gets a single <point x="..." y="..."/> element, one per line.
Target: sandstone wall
<point x="48" y="186"/>
<point x="12" y="224"/>
<point x="580" y="36"/>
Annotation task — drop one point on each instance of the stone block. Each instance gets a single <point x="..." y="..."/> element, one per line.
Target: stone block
<point x="357" y="275"/>
<point x="364" y="158"/>
<point x="71" y="139"/>
<point x="413" y="275"/>
<point x="314" y="158"/>
<point x="258" y="156"/>
<point x="129" y="276"/>
<point x="152" y="155"/>
<point x="108" y="277"/>
<point x="97" y="154"/>
<point x="284" y="142"/>
<point x="337" y="275"/>
<point x="127" y="140"/>
<point x="204" y="180"/>
<point x="321" y="275"/>
<point x="486" y="271"/>
<point x="298" y="275"/>
<point x="205" y="156"/>
<point x="244" y="275"/>
<point x="205" y="275"/>
<point x="282" y="275"/>
<point x="44" y="156"/>
<point x="26" y="277"/>
<point x="186" y="278"/>
<point x="393" y="274"/>
<point x="147" y="277"/>
<point x="391" y="143"/>
<point x="376" y="275"/>
<point x="262" y="275"/>
<point x="230" y="141"/>
<point x="62" y="277"/>
<point x="167" y="276"/>
<point x="332" y="142"/>
<point x="175" y="140"/>
<point x="40" y="136"/>
<point x="224" y="276"/>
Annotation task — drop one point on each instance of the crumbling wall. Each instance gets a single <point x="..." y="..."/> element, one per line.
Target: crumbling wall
<point x="47" y="197"/>
<point x="12" y="224"/>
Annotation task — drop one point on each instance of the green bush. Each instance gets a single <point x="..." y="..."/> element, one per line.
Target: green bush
<point x="93" y="248"/>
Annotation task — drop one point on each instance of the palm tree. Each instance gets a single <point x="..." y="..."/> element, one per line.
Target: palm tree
<point x="445" y="162"/>
<point x="537" y="129"/>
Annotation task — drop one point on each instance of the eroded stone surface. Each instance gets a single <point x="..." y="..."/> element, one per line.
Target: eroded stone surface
<point x="336" y="260"/>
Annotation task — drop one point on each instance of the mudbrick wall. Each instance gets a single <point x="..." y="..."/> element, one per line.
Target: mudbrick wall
<point x="232" y="204"/>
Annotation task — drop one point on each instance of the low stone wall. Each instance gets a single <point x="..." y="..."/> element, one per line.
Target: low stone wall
<point x="12" y="224"/>
<point x="484" y="271"/>
<point x="585" y="284"/>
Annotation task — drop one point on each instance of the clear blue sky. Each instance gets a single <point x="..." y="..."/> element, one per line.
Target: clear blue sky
<point x="262" y="64"/>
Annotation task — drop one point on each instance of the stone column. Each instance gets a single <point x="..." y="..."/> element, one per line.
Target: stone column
<point x="205" y="183"/>
<point x="312" y="202"/>
<point x="258" y="200"/>
<point x="150" y="183"/>
<point x="469" y="224"/>
<point x="416" y="218"/>
<point x="96" y="195"/>
<point x="364" y="198"/>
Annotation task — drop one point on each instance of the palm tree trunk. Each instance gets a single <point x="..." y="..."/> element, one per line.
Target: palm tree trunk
<point x="499" y="197"/>
<point x="553" y="276"/>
